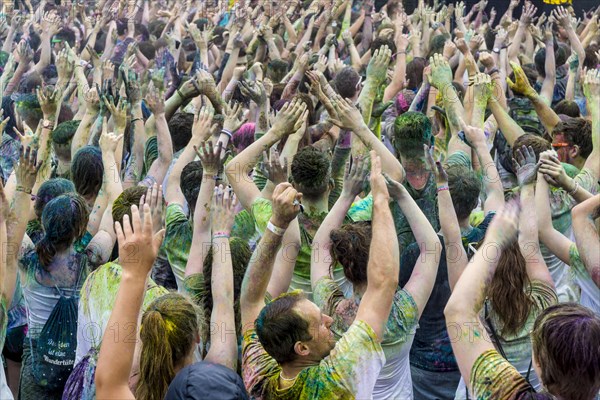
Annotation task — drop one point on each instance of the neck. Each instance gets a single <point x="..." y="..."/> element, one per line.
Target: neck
<point x="464" y="224"/>
<point x="578" y="162"/>
<point x="290" y="370"/>
<point x="315" y="206"/>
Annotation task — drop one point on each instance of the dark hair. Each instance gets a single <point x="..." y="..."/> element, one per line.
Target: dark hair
<point x="538" y="143"/>
<point x="121" y="26"/>
<point x="506" y="290"/>
<point x="66" y="35"/>
<point x="50" y="190"/>
<point x="591" y="61"/>
<point x="411" y="131"/>
<point x="122" y="204"/>
<point x="64" y="220"/>
<point x="190" y="181"/>
<point x="577" y="131"/>
<point x="464" y="188"/>
<point x="345" y="82"/>
<point x="350" y="245"/>
<point x="64" y="132"/>
<point x="279" y="327"/>
<point x="28" y="107"/>
<point x="530" y="72"/>
<point x="566" y="344"/>
<point x="567" y="107"/>
<point x="436" y="45"/>
<point x="311" y="172"/>
<point x="147" y="49"/>
<point x="87" y="171"/>
<point x="414" y="72"/>
<point x="180" y="127"/>
<point x="379" y="41"/>
<point x="156" y="27"/>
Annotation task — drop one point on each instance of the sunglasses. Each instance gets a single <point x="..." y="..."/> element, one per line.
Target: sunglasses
<point x="559" y="145"/>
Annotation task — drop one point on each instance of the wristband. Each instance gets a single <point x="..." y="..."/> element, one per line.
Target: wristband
<point x="180" y="95"/>
<point x="219" y="235"/>
<point x="442" y="188"/>
<point x="215" y="177"/>
<point x="571" y="193"/>
<point x="23" y="189"/>
<point x="137" y="119"/>
<point x="227" y="132"/>
<point x="276" y="230"/>
<point x="493" y="71"/>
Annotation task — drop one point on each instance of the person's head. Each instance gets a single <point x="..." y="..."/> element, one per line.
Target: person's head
<point x="205" y="380"/>
<point x="276" y="70"/>
<point x="147" y="49"/>
<point x="565" y="344"/>
<point x="48" y="191"/>
<point x="87" y="172"/>
<point x="64" y="220"/>
<point x="350" y="246"/>
<point x="506" y="291"/>
<point x="411" y="131"/>
<point x="414" y="72"/>
<point x="65" y="35"/>
<point x="61" y="138"/>
<point x="121" y="26"/>
<point x="538" y="143"/>
<point x="190" y="181"/>
<point x="347" y="83"/>
<point x="180" y="127"/>
<point x="28" y="110"/>
<point x="122" y="204"/>
<point x="291" y="327"/>
<point x="381" y="41"/>
<point x="568" y="108"/>
<point x="169" y="332"/>
<point x="385" y="30"/>
<point x="465" y="188"/>
<point x="311" y="173"/>
<point x="244" y="136"/>
<point x="436" y="45"/>
<point x="573" y="140"/>
<point x="591" y="61"/>
<point x="530" y="73"/>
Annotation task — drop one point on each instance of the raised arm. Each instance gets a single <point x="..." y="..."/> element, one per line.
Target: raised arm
<point x="210" y="160"/>
<point x="466" y="301"/>
<point x="258" y="274"/>
<point x="526" y="169"/>
<point x="354" y="181"/>
<point x="586" y="235"/>
<point x="384" y="257"/>
<point x="223" y="343"/>
<point x="116" y="355"/>
<point x="591" y="89"/>
<point x="423" y="276"/>
<point x="156" y="103"/>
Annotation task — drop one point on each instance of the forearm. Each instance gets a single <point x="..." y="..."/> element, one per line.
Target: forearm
<point x="456" y="256"/>
<point x="515" y="46"/>
<point x="547" y="116"/>
<point x="389" y="163"/>
<point x="82" y="135"/>
<point x="398" y="80"/>
<point x="8" y="41"/>
<point x="46" y="53"/>
<point x="550" y="71"/>
<point x="575" y="43"/>
<point x="13" y="83"/>
<point x="510" y="129"/>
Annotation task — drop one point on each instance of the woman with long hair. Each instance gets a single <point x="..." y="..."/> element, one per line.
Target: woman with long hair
<point x="349" y="245"/>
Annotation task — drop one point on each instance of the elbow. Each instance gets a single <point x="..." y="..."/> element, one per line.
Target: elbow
<point x="454" y="310"/>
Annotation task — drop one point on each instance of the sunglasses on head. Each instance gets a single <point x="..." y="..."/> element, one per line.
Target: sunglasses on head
<point x="559" y="145"/>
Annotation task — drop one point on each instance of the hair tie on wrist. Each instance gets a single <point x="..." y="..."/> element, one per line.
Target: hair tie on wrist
<point x="442" y="188"/>
<point x="219" y="235"/>
<point x="227" y="132"/>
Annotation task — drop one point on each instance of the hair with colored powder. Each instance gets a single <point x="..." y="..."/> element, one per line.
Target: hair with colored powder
<point x="311" y="172"/>
<point x="538" y="143"/>
<point x="507" y="290"/>
<point x="465" y="188"/>
<point x="64" y="220"/>
<point x="279" y="326"/>
<point x="350" y="245"/>
<point x="64" y="132"/>
<point x="87" y="171"/>
<point x="566" y="344"/>
<point x="567" y="107"/>
<point x="122" y="204"/>
<point x="411" y="131"/>
<point x="577" y="132"/>
<point x="50" y="190"/>
<point x="168" y="332"/>
<point x="28" y="107"/>
<point x="244" y="136"/>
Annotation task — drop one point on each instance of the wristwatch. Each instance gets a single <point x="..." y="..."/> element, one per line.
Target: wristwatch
<point x="47" y="124"/>
<point x="496" y="50"/>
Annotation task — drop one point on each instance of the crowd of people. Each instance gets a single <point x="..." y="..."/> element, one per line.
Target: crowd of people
<point x="317" y="199"/>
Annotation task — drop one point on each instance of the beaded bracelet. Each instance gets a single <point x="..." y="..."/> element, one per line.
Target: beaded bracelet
<point x="442" y="188"/>
<point x="220" y="235"/>
<point x="571" y="193"/>
<point x="23" y="189"/>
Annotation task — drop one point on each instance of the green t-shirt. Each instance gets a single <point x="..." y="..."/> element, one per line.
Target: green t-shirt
<point x="348" y="372"/>
<point x="492" y="377"/>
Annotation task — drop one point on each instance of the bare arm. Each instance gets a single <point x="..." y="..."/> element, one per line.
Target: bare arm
<point x="586" y="236"/>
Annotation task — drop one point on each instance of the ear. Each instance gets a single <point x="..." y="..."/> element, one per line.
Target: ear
<point x="574" y="151"/>
<point x="331" y="185"/>
<point x="301" y="349"/>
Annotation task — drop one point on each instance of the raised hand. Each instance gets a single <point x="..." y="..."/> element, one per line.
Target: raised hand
<point x="378" y="185"/>
<point x="441" y="177"/>
<point x="482" y="88"/>
<point x="272" y="167"/>
<point x="28" y="138"/>
<point x="27" y="169"/>
<point x="109" y="141"/>
<point x="118" y="112"/>
<point x="286" y="204"/>
<point x="504" y="228"/>
<point x="563" y="17"/>
<point x="591" y="88"/>
<point x="553" y="171"/>
<point x="378" y="65"/>
<point x="528" y="13"/>
<point x="525" y="165"/>
<point x="155" y="99"/>
<point x="346" y="116"/>
<point x="355" y="177"/>
<point x="92" y="100"/>
<point x="153" y="198"/>
<point x="202" y="123"/>
<point x="441" y="74"/>
<point x="287" y="117"/>
<point x="210" y="157"/>
<point x="138" y="245"/>
<point x="50" y="99"/>
<point x="255" y="91"/>
<point x="223" y="210"/>
<point x="521" y="84"/>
